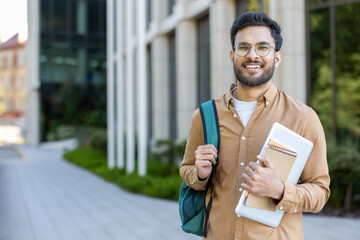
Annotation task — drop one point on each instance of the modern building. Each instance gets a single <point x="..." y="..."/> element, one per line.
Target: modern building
<point x="12" y="78"/>
<point x="165" y="57"/>
<point x="66" y="66"/>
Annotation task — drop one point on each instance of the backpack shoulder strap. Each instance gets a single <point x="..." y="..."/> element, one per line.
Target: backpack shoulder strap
<point x="210" y="122"/>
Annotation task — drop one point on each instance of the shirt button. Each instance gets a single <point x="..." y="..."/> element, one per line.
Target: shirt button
<point x="243" y="138"/>
<point x="240" y="189"/>
<point x="281" y="207"/>
<point x="295" y="210"/>
<point x="234" y="115"/>
<point x="242" y="163"/>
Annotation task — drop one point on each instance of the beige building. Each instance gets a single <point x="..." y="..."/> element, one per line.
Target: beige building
<point x="166" y="57"/>
<point x="12" y="78"/>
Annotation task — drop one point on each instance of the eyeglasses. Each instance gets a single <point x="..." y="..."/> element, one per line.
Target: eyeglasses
<point x="262" y="49"/>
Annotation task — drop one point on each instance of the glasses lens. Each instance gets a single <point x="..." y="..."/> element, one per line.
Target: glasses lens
<point x="242" y="49"/>
<point x="262" y="49"/>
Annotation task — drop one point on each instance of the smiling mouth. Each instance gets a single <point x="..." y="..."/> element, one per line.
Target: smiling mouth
<point x="253" y="67"/>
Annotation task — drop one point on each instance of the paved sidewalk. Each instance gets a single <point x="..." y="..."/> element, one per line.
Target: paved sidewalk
<point x="43" y="197"/>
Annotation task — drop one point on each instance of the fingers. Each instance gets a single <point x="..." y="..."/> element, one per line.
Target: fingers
<point x="249" y="171"/>
<point x="206" y="152"/>
<point x="265" y="161"/>
<point x="203" y="163"/>
<point x="246" y="177"/>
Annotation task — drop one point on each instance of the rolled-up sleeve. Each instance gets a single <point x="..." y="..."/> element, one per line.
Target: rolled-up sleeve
<point x="313" y="191"/>
<point x="188" y="171"/>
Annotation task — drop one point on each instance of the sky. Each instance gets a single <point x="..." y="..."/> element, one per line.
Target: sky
<point x="13" y="15"/>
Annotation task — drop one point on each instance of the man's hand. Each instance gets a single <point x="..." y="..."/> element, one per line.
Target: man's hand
<point x="205" y="157"/>
<point x="262" y="181"/>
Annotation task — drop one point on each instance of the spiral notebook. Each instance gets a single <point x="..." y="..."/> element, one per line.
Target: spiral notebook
<point x="288" y="152"/>
<point x="283" y="159"/>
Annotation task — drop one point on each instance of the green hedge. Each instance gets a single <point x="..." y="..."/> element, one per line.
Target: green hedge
<point x="158" y="182"/>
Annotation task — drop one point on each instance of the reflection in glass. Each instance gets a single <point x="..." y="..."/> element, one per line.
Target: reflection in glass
<point x="321" y="74"/>
<point x="313" y="2"/>
<point x="348" y="69"/>
<point x="72" y="66"/>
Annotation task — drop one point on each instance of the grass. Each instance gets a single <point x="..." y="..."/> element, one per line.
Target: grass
<point x="157" y="183"/>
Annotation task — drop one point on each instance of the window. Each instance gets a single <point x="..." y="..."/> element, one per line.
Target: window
<point x="72" y="56"/>
<point x="172" y="87"/>
<point x="243" y="6"/>
<point x="15" y="60"/>
<point x="8" y="84"/>
<point x="203" y="60"/>
<point x="19" y="83"/>
<point x="171" y="4"/>
<point x="334" y="66"/>
<point x="150" y="91"/>
<point x="148" y="13"/>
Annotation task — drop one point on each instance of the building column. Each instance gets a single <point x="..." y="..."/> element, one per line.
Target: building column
<point x="222" y="15"/>
<point x="120" y="84"/>
<point x="130" y="82"/>
<point x="186" y="66"/>
<point x="142" y="89"/>
<point x="160" y="74"/>
<point x="32" y="73"/>
<point x="291" y="74"/>
<point x="110" y="84"/>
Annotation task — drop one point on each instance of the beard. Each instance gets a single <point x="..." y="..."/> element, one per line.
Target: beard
<point x="253" y="81"/>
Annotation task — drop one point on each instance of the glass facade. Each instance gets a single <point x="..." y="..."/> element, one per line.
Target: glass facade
<point x="243" y="6"/>
<point x="335" y="61"/>
<point x="72" y="64"/>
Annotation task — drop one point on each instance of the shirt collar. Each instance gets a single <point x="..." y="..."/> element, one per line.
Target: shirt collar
<point x="267" y="98"/>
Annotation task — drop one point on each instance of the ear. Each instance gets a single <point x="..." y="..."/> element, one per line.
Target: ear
<point x="278" y="57"/>
<point x="232" y="57"/>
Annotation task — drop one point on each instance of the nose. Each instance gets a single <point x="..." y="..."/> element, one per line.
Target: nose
<point x="252" y="54"/>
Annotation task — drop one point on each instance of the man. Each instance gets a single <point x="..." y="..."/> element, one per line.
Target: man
<point x="246" y="113"/>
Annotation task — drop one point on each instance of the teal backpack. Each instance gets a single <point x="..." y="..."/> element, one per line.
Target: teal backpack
<point x="194" y="213"/>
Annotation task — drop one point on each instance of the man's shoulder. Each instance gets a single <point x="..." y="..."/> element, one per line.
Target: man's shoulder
<point x="220" y="103"/>
<point x="295" y="105"/>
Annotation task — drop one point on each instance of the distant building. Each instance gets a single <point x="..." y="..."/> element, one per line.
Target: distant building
<point x="66" y="66"/>
<point x="12" y="78"/>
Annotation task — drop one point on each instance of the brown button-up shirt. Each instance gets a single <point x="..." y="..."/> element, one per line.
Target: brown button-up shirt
<point x="239" y="146"/>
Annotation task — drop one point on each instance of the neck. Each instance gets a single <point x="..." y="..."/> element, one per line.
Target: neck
<point x="250" y="94"/>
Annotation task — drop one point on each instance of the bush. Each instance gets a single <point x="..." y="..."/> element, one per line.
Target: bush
<point x="98" y="140"/>
<point x="344" y="166"/>
<point x="158" y="183"/>
<point x="170" y="151"/>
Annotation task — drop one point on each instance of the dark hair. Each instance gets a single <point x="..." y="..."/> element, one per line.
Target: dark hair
<point x="257" y="19"/>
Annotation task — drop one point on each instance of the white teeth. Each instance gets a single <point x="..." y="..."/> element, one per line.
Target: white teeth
<point x="253" y="66"/>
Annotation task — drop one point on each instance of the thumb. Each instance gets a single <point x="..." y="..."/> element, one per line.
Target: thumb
<point x="265" y="161"/>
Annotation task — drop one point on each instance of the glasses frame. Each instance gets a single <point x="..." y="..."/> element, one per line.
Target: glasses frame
<point x="245" y="43"/>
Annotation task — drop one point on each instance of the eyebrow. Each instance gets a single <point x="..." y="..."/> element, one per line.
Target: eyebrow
<point x="263" y="42"/>
<point x="245" y="43"/>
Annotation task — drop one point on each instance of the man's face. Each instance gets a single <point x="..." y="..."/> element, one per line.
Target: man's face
<point x="253" y="70"/>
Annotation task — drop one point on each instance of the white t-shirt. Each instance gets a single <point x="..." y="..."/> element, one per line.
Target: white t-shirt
<point x="244" y="110"/>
